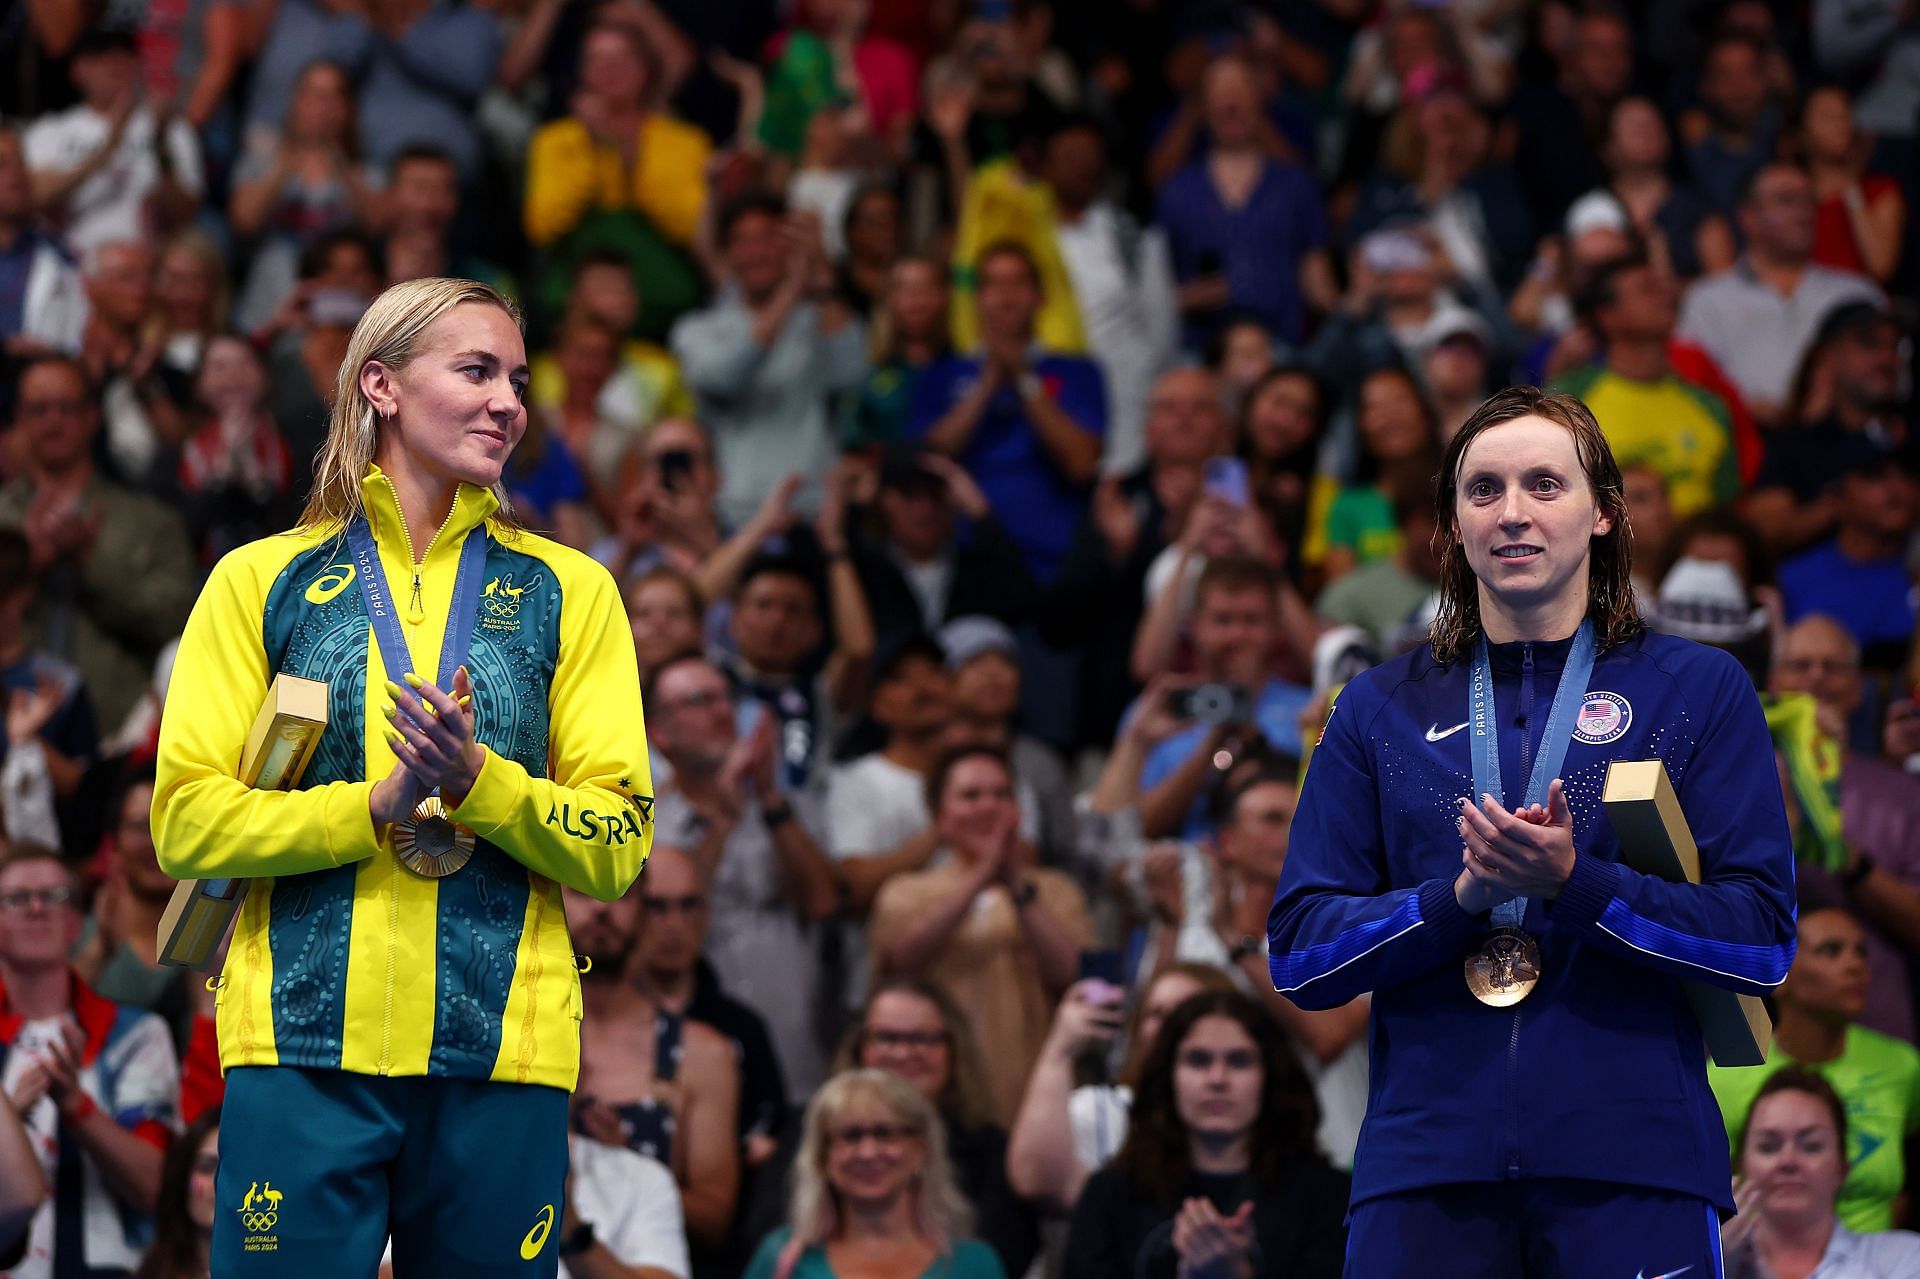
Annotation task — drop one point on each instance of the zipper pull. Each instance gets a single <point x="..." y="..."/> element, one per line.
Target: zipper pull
<point x="416" y="609"/>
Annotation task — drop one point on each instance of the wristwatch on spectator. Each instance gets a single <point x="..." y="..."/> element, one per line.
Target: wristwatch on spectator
<point x="578" y="1242"/>
<point x="1023" y="896"/>
<point x="1030" y="386"/>
<point x="776" y="815"/>
<point x="1247" y="945"/>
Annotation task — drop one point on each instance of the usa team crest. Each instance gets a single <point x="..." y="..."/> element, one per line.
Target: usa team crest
<point x="1603" y="718"/>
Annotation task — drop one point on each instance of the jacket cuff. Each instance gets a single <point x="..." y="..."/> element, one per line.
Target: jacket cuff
<point x="1593" y="884"/>
<point x="351" y="836"/>
<point x="488" y="805"/>
<point x="1440" y="911"/>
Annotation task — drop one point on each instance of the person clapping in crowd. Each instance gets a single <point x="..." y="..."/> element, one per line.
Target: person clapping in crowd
<point x="1000" y="935"/>
<point x="1219" y="1174"/>
<point x="1792" y="1159"/>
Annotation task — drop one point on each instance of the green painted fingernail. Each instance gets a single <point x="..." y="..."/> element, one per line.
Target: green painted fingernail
<point x="395" y="691"/>
<point x="414" y="681"/>
<point x="390" y="710"/>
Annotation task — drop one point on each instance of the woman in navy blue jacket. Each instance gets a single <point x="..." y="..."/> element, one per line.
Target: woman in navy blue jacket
<point x="1539" y="1103"/>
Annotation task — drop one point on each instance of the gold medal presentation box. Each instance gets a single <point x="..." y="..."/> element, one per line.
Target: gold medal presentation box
<point x="282" y="740"/>
<point x="1655" y="840"/>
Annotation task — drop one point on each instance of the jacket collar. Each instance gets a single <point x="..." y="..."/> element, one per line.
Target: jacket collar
<point x="1548" y="655"/>
<point x="471" y="507"/>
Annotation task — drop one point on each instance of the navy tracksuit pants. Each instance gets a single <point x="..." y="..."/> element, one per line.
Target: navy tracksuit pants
<point x="1539" y="1228"/>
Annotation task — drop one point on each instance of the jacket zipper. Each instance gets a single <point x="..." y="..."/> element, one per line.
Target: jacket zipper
<point x="1526" y="713"/>
<point x="1513" y="1036"/>
<point x="1513" y="1097"/>
<point x="416" y="611"/>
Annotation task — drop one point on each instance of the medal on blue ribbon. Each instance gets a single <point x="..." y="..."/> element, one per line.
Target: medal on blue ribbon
<point x="427" y="841"/>
<point x="1506" y="967"/>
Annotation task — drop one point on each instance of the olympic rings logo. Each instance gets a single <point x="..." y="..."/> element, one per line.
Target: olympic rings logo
<point x="259" y="1222"/>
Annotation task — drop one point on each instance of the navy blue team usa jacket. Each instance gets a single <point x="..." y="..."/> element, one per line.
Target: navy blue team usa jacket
<point x="1601" y="1072"/>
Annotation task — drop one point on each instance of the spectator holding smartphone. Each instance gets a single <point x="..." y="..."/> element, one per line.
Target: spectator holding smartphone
<point x="1073" y="1118"/>
<point x="1235" y="626"/>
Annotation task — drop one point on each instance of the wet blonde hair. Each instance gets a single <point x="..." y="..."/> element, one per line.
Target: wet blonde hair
<point x="390" y="332"/>
<point x="941" y="1213"/>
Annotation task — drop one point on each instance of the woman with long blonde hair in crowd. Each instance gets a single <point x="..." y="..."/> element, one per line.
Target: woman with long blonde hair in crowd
<point x="873" y="1194"/>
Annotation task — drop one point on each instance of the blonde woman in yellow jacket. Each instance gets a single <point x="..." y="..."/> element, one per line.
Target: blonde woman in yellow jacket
<point x="399" y="1011"/>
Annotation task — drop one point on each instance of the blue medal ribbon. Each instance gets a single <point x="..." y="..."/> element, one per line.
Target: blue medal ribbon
<point x="386" y="624"/>
<point x="1553" y="742"/>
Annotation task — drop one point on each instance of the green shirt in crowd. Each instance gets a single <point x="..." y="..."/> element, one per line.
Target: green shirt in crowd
<point x="1878" y="1078"/>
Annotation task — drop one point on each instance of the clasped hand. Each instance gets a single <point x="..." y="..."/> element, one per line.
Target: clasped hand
<point x="1211" y="1245"/>
<point x="53" y="1071"/>
<point x="432" y="738"/>
<point x="1524" y="853"/>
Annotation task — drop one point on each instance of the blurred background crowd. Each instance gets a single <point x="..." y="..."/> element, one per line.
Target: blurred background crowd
<point x="1008" y="422"/>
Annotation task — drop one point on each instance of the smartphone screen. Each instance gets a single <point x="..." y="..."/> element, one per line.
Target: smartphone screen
<point x="1226" y="479"/>
<point x="1103" y="965"/>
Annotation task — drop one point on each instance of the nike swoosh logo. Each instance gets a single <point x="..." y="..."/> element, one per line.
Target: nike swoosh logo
<point x="537" y="1237"/>
<point x="1436" y="733"/>
<point x="1671" y="1274"/>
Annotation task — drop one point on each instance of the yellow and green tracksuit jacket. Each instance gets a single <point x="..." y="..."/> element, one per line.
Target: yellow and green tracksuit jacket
<point x="341" y="957"/>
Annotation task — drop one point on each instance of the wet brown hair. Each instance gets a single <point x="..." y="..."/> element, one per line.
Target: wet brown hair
<point x="1610" y="599"/>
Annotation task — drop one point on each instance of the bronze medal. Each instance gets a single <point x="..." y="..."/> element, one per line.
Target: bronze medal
<point x="1505" y="969"/>
<point x="429" y="843"/>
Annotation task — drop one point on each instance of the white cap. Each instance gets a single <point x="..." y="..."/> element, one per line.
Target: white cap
<point x="1703" y="600"/>
<point x="1596" y="209"/>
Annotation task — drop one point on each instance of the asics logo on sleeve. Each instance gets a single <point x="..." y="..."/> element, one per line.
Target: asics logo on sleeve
<point x="1436" y="733"/>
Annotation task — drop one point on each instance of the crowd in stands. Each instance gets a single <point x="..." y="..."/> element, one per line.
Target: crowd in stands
<point x="1008" y="422"/>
